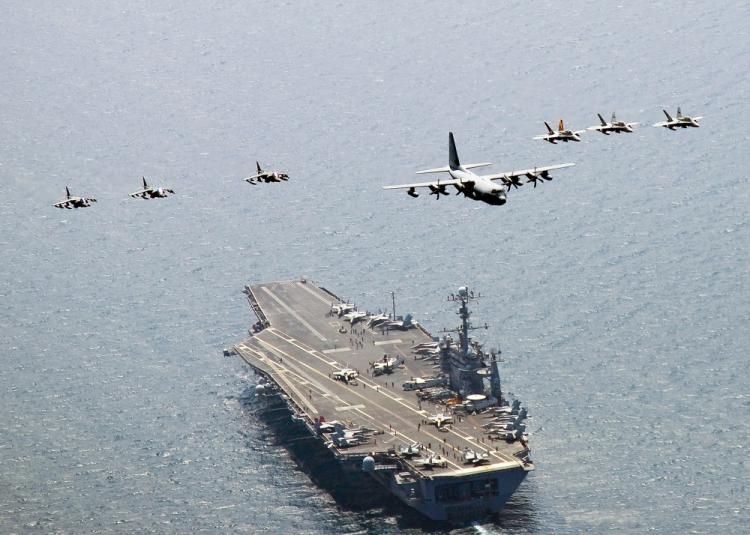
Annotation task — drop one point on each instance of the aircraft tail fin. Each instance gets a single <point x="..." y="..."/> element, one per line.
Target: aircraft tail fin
<point x="549" y="128"/>
<point x="67" y="192"/>
<point x="562" y="125"/>
<point x="257" y="164"/>
<point x="669" y="117"/>
<point x="604" y="123"/>
<point x="145" y="186"/>
<point x="453" y="161"/>
<point x="679" y="113"/>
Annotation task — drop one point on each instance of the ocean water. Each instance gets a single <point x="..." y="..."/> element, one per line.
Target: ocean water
<point x="618" y="292"/>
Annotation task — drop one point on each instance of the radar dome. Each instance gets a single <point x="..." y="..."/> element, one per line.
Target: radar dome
<point x="368" y="464"/>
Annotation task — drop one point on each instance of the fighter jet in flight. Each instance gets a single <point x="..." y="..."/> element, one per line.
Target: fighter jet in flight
<point x="681" y="121"/>
<point x="150" y="192"/>
<point x="266" y="176"/>
<point x="613" y="126"/>
<point x="70" y="202"/>
<point x="562" y="134"/>
<point x="477" y="187"/>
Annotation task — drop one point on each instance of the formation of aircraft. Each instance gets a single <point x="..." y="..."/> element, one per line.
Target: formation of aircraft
<point x="613" y="126"/>
<point x="150" y="192"/>
<point x="561" y="134"/>
<point x="491" y="189"/>
<point x="70" y="201"/>
<point x="266" y="176"/>
<point x="680" y="121"/>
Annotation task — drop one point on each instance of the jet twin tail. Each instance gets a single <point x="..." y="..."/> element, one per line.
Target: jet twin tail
<point x="561" y="134"/>
<point x="681" y="121"/>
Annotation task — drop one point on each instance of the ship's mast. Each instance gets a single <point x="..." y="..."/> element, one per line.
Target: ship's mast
<point x="463" y="297"/>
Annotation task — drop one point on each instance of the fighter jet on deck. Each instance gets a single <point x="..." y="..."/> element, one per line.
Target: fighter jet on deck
<point x="477" y="187"/>
<point x="266" y="176"/>
<point x="613" y="126"/>
<point x="70" y="202"/>
<point x="150" y="192"/>
<point x="562" y="134"/>
<point x="681" y="121"/>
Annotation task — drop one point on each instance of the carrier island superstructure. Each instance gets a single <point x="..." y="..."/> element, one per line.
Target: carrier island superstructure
<point x="426" y="418"/>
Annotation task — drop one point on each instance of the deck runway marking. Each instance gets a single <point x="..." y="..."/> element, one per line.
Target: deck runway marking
<point x="362" y="397"/>
<point x="350" y="407"/>
<point x="314" y="293"/>
<point x="336" y="350"/>
<point x="370" y="384"/>
<point x="389" y="342"/>
<point x="296" y="316"/>
<point x="507" y="459"/>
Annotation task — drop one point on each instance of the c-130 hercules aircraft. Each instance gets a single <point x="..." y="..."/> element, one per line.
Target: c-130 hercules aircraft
<point x="477" y="187"/>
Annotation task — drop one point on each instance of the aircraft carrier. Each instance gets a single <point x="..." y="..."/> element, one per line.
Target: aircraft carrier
<point x="424" y="417"/>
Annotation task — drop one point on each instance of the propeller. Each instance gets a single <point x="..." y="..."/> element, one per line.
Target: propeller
<point x="438" y="190"/>
<point x="532" y="177"/>
<point x="512" y="180"/>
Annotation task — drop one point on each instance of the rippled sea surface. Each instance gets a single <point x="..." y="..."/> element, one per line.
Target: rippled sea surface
<point x="618" y="292"/>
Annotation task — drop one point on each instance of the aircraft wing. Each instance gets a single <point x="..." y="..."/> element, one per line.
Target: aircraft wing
<point x="545" y="136"/>
<point x="254" y="176"/>
<point x="447" y="169"/>
<point x="598" y="127"/>
<point x="61" y="204"/>
<point x="435" y="170"/>
<point x="523" y="172"/>
<point x="475" y="165"/>
<point x="434" y="183"/>
<point x="139" y="192"/>
<point x="663" y="123"/>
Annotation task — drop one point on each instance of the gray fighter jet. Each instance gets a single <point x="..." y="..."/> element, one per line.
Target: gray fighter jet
<point x="562" y="134"/>
<point x="613" y="126"/>
<point x="681" y="121"/>
<point x="70" y="202"/>
<point x="266" y="176"/>
<point x="477" y="187"/>
<point x="150" y="192"/>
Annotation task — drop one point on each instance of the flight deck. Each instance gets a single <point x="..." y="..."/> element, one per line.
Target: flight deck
<point x="301" y="344"/>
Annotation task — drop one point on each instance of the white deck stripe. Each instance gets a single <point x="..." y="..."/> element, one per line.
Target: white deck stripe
<point x="389" y="342"/>
<point x="314" y="293"/>
<point x="299" y="318"/>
